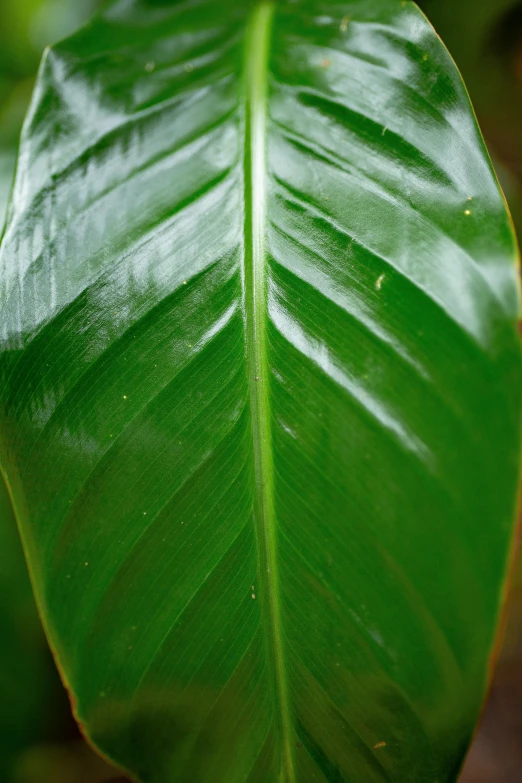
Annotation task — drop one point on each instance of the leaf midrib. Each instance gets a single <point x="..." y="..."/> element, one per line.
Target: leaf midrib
<point x="255" y="303"/>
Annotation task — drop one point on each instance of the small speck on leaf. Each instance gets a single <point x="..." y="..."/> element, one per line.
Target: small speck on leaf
<point x="325" y="63"/>
<point x="253" y="596"/>
<point x="344" y="23"/>
<point x="379" y="745"/>
<point x="379" y="282"/>
<point x="150" y="67"/>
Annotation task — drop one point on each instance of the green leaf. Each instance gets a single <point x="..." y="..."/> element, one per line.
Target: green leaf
<point x="261" y="385"/>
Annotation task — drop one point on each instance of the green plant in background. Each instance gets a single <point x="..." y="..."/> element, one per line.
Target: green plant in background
<point x="24" y="677"/>
<point x="260" y="389"/>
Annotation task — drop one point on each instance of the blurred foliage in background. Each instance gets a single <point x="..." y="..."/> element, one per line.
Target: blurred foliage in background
<point x="38" y="739"/>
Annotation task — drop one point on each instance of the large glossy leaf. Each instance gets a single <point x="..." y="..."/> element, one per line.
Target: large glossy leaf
<point x="260" y="389"/>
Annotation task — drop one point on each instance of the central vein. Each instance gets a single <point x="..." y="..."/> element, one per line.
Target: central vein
<point x="257" y="52"/>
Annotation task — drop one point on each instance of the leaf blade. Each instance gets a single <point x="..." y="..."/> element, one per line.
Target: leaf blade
<point x="164" y="266"/>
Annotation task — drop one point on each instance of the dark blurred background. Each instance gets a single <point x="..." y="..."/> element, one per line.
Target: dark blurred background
<point x="39" y="741"/>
